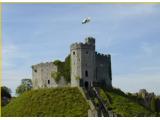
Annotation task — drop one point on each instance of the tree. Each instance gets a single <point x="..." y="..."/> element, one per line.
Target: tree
<point x="26" y="85"/>
<point x="5" y="92"/>
<point x="5" y="95"/>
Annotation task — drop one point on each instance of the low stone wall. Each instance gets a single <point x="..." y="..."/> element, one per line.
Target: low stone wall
<point x="92" y="112"/>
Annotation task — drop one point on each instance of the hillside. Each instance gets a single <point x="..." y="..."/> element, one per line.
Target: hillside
<point x="70" y="102"/>
<point x="48" y="102"/>
<point x="123" y="105"/>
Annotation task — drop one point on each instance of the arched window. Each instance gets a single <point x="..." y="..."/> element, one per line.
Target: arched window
<point x="86" y="73"/>
<point x="73" y="53"/>
<point x="48" y="82"/>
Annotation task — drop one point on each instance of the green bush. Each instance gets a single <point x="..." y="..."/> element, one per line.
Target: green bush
<point x="57" y="62"/>
<point x="56" y="76"/>
<point x="63" y="69"/>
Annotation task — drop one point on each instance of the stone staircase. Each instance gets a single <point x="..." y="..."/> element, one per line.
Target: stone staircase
<point x="96" y="111"/>
<point x="92" y="112"/>
<point x="104" y="109"/>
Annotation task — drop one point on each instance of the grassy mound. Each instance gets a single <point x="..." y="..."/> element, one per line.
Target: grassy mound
<point x="122" y="105"/>
<point x="48" y="102"/>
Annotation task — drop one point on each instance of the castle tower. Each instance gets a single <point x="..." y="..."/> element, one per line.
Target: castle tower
<point x="83" y="63"/>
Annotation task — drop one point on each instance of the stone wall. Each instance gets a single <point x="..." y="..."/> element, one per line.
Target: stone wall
<point x="41" y="76"/>
<point x="103" y="69"/>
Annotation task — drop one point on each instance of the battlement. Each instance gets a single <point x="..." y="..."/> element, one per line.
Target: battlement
<point x="88" y="44"/>
<point x="81" y="46"/>
<point x="42" y="64"/>
<point x="107" y="56"/>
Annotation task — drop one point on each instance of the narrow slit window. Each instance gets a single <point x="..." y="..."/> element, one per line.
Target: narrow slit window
<point x="86" y="73"/>
<point x="73" y="53"/>
<point x="48" y="82"/>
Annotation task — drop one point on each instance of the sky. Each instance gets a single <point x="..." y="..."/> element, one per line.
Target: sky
<point x="34" y="33"/>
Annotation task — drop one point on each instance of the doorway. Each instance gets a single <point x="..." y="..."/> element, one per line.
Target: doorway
<point x="86" y="84"/>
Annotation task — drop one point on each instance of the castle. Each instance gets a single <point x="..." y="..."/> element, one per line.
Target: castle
<point x="88" y="68"/>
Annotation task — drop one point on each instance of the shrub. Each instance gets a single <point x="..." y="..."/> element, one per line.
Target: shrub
<point x="56" y="76"/>
<point x="63" y="69"/>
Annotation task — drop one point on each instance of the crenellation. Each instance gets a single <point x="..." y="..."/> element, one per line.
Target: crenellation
<point x="81" y="45"/>
<point x="102" y="56"/>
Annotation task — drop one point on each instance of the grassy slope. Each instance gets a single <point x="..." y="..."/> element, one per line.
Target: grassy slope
<point x="48" y="102"/>
<point x="124" y="106"/>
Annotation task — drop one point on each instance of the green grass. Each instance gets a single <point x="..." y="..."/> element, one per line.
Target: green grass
<point x="124" y="106"/>
<point x="48" y="102"/>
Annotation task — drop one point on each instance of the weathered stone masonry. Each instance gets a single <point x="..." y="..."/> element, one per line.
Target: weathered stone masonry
<point x="41" y="76"/>
<point x="88" y="68"/>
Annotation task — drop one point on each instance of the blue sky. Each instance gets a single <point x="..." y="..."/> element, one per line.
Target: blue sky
<point x="34" y="33"/>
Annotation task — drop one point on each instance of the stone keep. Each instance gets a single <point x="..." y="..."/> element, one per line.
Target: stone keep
<point x="89" y="68"/>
